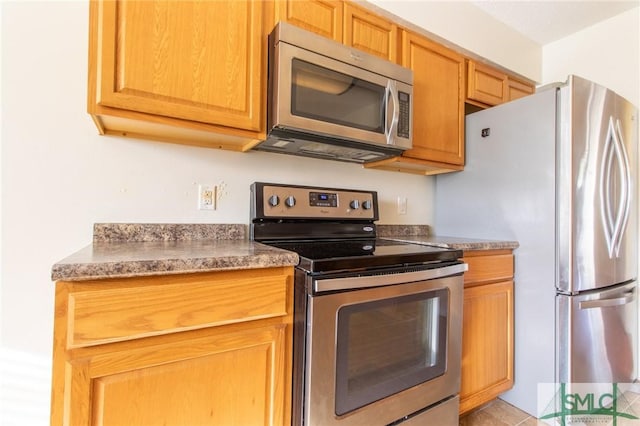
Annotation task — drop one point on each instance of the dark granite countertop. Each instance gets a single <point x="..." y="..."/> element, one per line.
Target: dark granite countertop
<point x="421" y="234"/>
<point x="457" y="242"/>
<point x="131" y="250"/>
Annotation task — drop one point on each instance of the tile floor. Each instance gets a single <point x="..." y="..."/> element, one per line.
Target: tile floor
<point x="500" y="413"/>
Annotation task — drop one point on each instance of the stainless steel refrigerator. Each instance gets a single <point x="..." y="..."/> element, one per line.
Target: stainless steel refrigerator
<point x="557" y="172"/>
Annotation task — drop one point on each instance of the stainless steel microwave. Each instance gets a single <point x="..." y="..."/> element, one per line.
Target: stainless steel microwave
<point x="327" y="100"/>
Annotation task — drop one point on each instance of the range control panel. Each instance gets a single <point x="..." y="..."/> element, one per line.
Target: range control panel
<point x="304" y="202"/>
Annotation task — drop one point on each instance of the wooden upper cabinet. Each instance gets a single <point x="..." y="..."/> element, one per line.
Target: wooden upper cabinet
<point x="197" y="65"/>
<point x="195" y="72"/>
<point x="517" y="89"/>
<point x="438" y="109"/>
<point x="487" y="86"/>
<point x="370" y="33"/>
<point x="323" y="17"/>
<point x="343" y="22"/>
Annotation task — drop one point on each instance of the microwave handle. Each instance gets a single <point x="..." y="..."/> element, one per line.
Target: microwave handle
<point x="391" y="94"/>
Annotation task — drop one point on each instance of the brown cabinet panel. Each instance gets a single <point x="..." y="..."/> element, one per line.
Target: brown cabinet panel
<point x="487" y="343"/>
<point x="193" y="65"/>
<point x="488" y="268"/>
<point x="370" y="33"/>
<point x="110" y="315"/>
<point x="182" y="60"/>
<point x="487" y="328"/>
<point x="485" y="84"/>
<point x="438" y="119"/>
<point x="231" y="370"/>
<point x="323" y="17"/>
<point x="516" y="89"/>
<point x="179" y="382"/>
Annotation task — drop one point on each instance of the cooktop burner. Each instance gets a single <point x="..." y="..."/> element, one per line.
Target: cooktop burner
<point x="336" y="255"/>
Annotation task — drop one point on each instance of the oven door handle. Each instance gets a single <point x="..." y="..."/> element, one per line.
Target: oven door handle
<point x="349" y="283"/>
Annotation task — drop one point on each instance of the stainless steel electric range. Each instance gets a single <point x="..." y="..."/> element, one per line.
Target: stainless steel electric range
<point x="378" y="323"/>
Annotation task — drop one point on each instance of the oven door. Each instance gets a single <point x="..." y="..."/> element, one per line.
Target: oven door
<point x="315" y="94"/>
<point x="379" y="354"/>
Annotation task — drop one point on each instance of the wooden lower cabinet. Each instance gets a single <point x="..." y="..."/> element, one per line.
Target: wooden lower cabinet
<point x="205" y="349"/>
<point x="487" y="330"/>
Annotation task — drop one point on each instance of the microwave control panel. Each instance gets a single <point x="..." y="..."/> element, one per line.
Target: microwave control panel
<point x="404" y="122"/>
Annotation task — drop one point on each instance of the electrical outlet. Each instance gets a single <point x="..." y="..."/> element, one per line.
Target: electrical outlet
<point x="207" y="197"/>
<point x="402" y="205"/>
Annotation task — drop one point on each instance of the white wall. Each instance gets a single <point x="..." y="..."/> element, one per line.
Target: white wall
<point x="607" y="53"/>
<point x="59" y="176"/>
<point x="472" y="29"/>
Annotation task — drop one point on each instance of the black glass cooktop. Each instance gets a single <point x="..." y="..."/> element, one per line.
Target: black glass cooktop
<point x="339" y="255"/>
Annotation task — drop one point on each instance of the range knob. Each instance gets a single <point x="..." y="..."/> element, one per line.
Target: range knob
<point x="290" y="201"/>
<point x="354" y="204"/>
<point x="366" y="204"/>
<point x="274" y="200"/>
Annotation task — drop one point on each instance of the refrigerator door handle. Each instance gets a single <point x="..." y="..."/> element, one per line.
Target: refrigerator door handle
<point x="603" y="303"/>
<point x="615" y="221"/>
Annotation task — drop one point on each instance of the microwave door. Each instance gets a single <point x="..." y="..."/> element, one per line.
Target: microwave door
<point x="329" y="97"/>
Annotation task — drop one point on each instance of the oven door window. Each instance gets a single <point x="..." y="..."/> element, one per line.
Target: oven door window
<point x="330" y="96"/>
<point x="386" y="346"/>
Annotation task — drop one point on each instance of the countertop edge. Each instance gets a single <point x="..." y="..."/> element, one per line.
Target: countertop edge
<point x="458" y="243"/>
<point x="132" y="269"/>
<point x="142" y="259"/>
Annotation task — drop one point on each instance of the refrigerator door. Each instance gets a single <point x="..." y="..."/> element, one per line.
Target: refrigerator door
<point x="597" y="336"/>
<point x="507" y="192"/>
<point x="596" y="192"/>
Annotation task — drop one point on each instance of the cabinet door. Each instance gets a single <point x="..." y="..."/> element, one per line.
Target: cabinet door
<point x="223" y="378"/>
<point x="323" y="17"/>
<point x="485" y="84"/>
<point x="205" y="348"/>
<point x="193" y="60"/>
<point x="517" y="90"/>
<point x="438" y="96"/>
<point x="487" y="343"/>
<point x="370" y="33"/>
